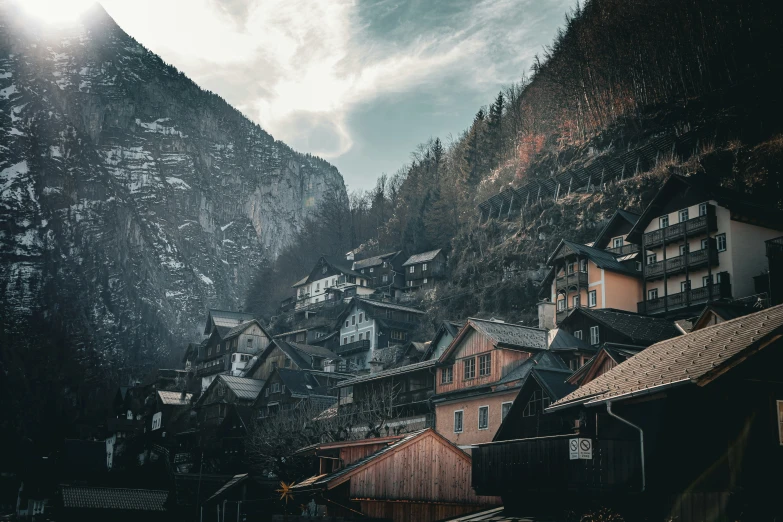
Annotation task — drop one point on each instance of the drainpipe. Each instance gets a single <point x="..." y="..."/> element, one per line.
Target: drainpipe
<point x="641" y="438"/>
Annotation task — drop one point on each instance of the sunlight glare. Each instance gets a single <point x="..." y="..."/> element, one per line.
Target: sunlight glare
<point x="56" y="11"/>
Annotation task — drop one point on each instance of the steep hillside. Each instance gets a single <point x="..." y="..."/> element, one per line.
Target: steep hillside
<point x="130" y="199"/>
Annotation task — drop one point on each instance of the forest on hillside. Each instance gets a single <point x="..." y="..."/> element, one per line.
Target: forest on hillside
<point x="617" y="70"/>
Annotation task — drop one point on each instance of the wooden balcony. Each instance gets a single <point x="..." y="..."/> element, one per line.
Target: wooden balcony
<point x="692" y="227"/>
<point x="692" y="297"/>
<point x="562" y="283"/>
<point x="676" y="265"/>
<point x="529" y="466"/>
<point x="209" y="370"/>
<point x="624" y="250"/>
<point x="354" y="347"/>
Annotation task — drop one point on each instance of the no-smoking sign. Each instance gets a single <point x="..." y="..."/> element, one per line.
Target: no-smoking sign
<point x="580" y="449"/>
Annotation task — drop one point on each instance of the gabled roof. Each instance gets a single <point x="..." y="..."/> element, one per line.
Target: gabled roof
<point x="695" y="358"/>
<point x="424" y="257"/>
<point x="616" y="352"/>
<point x="601" y="258"/>
<point x="402" y="370"/>
<point x="301" y="354"/>
<point x="114" y="498"/>
<point x="301" y="384"/>
<point x="619" y="216"/>
<point x="245" y="389"/>
<point x="238" y="329"/>
<point x="503" y="335"/>
<point x="451" y="328"/>
<point x="375" y="260"/>
<point x="333" y="480"/>
<point x="301" y="282"/>
<point x="235" y="480"/>
<point x="724" y="311"/>
<point x="382" y="305"/>
<point x="227" y="318"/>
<point x="562" y="341"/>
<point x="642" y="330"/>
<point x="553" y="380"/>
<point x="517" y="376"/>
<point x="174" y="398"/>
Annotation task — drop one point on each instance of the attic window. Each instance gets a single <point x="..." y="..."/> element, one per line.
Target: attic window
<point x="323" y="269"/>
<point x="538" y="401"/>
<point x="617" y="242"/>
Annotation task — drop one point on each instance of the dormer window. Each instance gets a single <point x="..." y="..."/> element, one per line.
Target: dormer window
<point x="617" y="242"/>
<point x="323" y="269"/>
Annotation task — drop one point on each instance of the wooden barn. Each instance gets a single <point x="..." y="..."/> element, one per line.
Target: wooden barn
<point x="689" y="429"/>
<point x="419" y="477"/>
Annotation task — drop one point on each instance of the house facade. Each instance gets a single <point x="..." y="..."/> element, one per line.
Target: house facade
<point x="212" y="406"/>
<point x="286" y="389"/>
<point x="702" y="244"/>
<point x="229" y="350"/>
<point x="422" y="270"/>
<point x="290" y="355"/>
<point x="470" y="397"/>
<point x="368" y="325"/>
<point x="328" y="281"/>
<point x="385" y="272"/>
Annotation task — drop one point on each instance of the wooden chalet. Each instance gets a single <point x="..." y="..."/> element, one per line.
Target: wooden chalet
<point x="284" y="354"/>
<point x="212" y="406"/>
<point x="286" y="389"/>
<point x="168" y="404"/>
<point x="702" y="243"/>
<point x="420" y="476"/>
<point x="385" y="272"/>
<point x="596" y="327"/>
<point x="422" y="270"/>
<point x="367" y="325"/>
<point x="329" y="282"/>
<point x="689" y="429"/>
<point x="401" y="384"/>
<point x="607" y="357"/>
<point x="470" y="391"/>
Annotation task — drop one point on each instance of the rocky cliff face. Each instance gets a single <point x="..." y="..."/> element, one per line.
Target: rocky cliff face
<point x="130" y="199"/>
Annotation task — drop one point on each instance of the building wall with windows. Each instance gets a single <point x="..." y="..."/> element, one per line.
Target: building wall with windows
<point x="606" y="289"/>
<point x="471" y="433"/>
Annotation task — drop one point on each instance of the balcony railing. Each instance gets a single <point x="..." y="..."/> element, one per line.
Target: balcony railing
<point x="694" y="296"/>
<point x="698" y="225"/>
<point x="774" y="246"/>
<point x="563" y="282"/>
<point x="544" y="464"/>
<point x="215" y="368"/>
<point x="354" y="347"/>
<point x="624" y="250"/>
<point x="678" y="264"/>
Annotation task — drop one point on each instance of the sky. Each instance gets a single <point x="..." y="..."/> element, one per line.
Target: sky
<point x="358" y="82"/>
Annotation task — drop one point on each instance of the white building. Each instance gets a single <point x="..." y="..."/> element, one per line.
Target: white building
<point x="330" y="280"/>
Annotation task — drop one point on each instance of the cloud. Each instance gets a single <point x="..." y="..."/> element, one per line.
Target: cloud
<point x="299" y="68"/>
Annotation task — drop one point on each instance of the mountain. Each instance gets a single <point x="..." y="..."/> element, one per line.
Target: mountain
<point x="130" y="199"/>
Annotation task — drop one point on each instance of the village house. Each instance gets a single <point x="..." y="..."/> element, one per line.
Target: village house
<point x="385" y="272"/>
<point x="633" y="438"/>
<point x="212" y="406"/>
<point x="420" y="476"/>
<point x="470" y="395"/>
<point x="168" y="404"/>
<point x="702" y="243"/>
<point x="445" y="333"/>
<point x="395" y="395"/>
<point x="367" y="325"/>
<point x="229" y="349"/>
<point x="572" y="350"/>
<point x="422" y="270"/>
<point x="286" y="389"/>
<point x="330" y="281"/>
<point x="295" y="356"/>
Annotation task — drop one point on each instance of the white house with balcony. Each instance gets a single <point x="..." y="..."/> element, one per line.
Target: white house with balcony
<point x="330" y="281"/>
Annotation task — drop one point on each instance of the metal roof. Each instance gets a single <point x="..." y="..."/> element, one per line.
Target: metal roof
<point x="236" y="479"/>
<point x="511" y="335"/>
<point x="114" y="498"/>
<point x="641" y="329"/>
<point x="245" y="389"/>
<point x="225" y="318"/>
<point x="387" y="373"/>
<point x="422" y="258"/>
<point x="174" y="398"/>
<point x="690" y="358"/>
<point x="374" y="261"/>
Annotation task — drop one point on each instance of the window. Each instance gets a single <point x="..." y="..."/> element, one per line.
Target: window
<point x="483" y="417"/>
<point x="209" y="351"/>
<point x="652" y="258"/>
<point x="683" y="215"/>
<point x="385" y="264"/>
<point x="560" y="305"/>
<point x="536" y="404"/>
<point x="397" y="335"/>
<point x="570" y="268"/>
<point x="411" y="269"/>
<point x="721" y="240"/>
<point x="702" y="209"/>
<point x="385" y="278"/>
<point x="583" y="266"/>
<point x="638" y="266"/>
<point x="469" y="366"/>
<point x="447" y="375"/>
<point x="274" y="365"/>
<point x="485" y="364"/>
<point x="663" y="221"/>
<point x="705" y="281"/>
<point x="424" y="267"/>
<point x="345" y="340"/>
<point x="617" y="242"/>
<point x="425" y="281"/>
<point x="361" y="317"/>
<point x="705" y="243"/>
<point x="594" y="339"/>
<point x="576" y="301"/>
<point x="458" y="421"/>
<point x="362" y="270"/>
<point x="250" y="343"/>
<point x="504" y="409"/>
<point x="352" y="338"/>
<point x="317" y="287"/>
<point x="592" y="299"/>
<point x="275" y="387"/>
<point x="371" y="270"/>
<point x="266" y="392"/>
<point x="287" y="363"/>
<point x="353" y="320"/>
<point x="361" y="335"/>
<point x="685" y="286"/>
<point x="684" y="249"/>
<point x="282" y="388"/>
<point x="346" y="323"/>
<point x="652" y="294"/>
<point x="578" y="334"/>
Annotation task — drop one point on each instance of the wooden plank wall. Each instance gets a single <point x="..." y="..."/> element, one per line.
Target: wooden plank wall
<point x="416" y="511"/>
<point x="429" y="469"/>
<point x="351" y="454"/>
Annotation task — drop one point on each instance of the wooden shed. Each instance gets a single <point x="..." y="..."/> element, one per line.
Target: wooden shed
<point x="418" y="477"/>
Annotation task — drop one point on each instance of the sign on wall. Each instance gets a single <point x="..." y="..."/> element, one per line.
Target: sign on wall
<point x="580" y="449"/>
<point x="156" y="420"/>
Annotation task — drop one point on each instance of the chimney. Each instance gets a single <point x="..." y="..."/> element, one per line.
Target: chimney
<point x="546" y="315"/>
